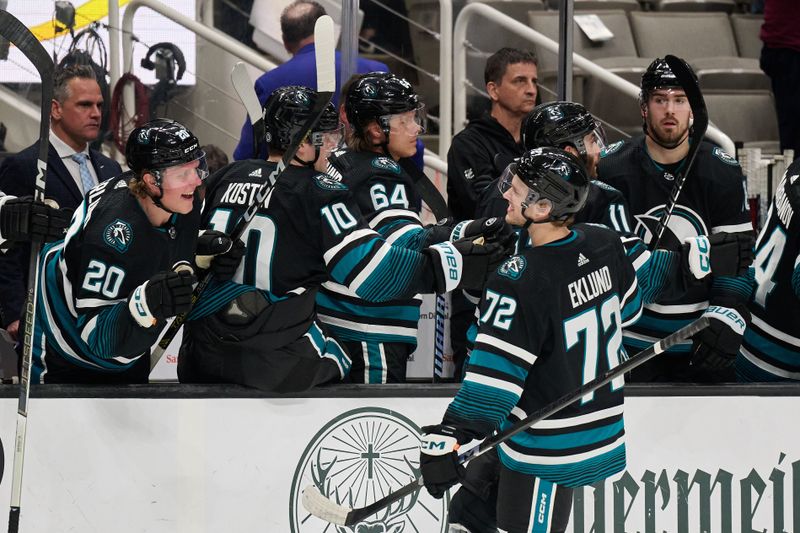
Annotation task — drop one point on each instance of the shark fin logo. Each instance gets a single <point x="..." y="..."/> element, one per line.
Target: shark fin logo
<point x="118" y="235"/>
<point x="683" y="223"/>
<point x="357" y="458"/>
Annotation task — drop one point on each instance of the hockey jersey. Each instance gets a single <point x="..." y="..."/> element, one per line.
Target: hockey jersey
<point x="308" y="230"/>
<point x="387" y="198"/>
<point x="771" y="347"/>
<point x="551" y="319"/>
<point x="110" y="248"/>
<point x="713" y="200"/>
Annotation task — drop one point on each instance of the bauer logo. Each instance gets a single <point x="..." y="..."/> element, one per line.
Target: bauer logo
<point x="358" y="458"/>
<point x="118" y="235"/>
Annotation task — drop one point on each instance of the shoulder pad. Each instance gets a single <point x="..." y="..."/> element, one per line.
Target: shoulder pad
<point x="724" y="156"/>
<point x="386" y="163"/>
<point x="612" y="148"/>
<point x="512" y="268"/>
<point x="329" y="183"/>
<point x="791" y="187"/>
<point x="604" y="185"/>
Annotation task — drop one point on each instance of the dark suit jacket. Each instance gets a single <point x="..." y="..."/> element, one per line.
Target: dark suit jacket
<point x="17" y="175"/>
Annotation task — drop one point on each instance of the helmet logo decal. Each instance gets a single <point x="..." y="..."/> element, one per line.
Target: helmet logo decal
<point x="118" y="235"/>
<point x="143" y="136"/>
<point x="183" y="134"/>
<point x="370" y="90"/>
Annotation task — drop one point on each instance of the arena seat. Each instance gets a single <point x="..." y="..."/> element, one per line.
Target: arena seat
<point x="746" y="29"/>
<point x="726" y="6"/>
<point x="593" y="5"/>
<point x="705" y="40"/>
<point x="746" y="116"/>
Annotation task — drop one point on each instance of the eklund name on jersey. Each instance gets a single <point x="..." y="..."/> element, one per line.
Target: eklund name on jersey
<point x="590" y="286"/>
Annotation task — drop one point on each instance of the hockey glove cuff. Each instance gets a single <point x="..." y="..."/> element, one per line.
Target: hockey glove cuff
<point x="721" y="254"/>
<point x="464" y="264"/>
<point x="438" y="458"/>
<point x="492" y="229"/>
<point x="716" y="346"/>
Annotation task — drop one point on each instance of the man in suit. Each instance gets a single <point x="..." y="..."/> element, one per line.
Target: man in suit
<point x="297" y="29"/>
<point x="72" y="169"/>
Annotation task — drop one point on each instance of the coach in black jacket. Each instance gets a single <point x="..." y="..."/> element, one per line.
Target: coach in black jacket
<point x="75" y="116"/>
<point x="480" y="153"/>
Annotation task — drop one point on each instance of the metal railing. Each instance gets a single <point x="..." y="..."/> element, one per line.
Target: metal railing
<point x="489" y="13"/>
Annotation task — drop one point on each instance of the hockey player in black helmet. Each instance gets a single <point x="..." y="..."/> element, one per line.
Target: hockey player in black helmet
<point x="531" y="350"/>
<point x="712" y="205"/>
<point x="125" y="266"/>
<point x="261" y="328"/>
<point x="386" y="118"/>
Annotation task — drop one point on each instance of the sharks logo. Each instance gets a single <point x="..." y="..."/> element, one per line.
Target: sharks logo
<point x="324" y="181"/>
<point x="118" y="235"/>
<point x="683" y="223"/>
<point x="513" y="267"/>
<point x="384" y="163"/>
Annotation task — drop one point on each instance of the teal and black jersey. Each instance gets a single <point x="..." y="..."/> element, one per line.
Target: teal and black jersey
<point x="309" y="230"/>
<point x="771" y="347"/>
<point x="387" y="198"/>
<point x="713" y="200"/>
<point x="85" y="280"/>
<point x="551" y="319"/>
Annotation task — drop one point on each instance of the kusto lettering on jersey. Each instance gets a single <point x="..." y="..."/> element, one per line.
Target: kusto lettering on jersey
<point x="783" y="204"/>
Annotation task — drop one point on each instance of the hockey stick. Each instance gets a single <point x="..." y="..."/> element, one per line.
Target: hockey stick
<point x="321" y="507"/>
<point x="15" y="32"/>
<point x="688" y="81"/>
<point x="326" y="85"/>
<point x="243" y="86"/>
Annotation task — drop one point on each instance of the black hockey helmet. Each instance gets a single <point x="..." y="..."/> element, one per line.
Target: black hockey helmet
<point x="551" y="174"/>
<point x="286" y="111"/>
<point x="162" y="143"/>
<point x="557" y="124"/>
<point x="658" y="76"/>
<point x="377" y="95"/>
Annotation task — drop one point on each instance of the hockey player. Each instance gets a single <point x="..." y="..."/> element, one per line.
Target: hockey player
<point x="106" y="290"/>
<point x="385" y="117"/>
<point x="551" y="320"/>
<point x="771" y="347"/>
<point x="24" y="219"/>
<point x="713" y="200"/>
<point x="261" y="328"/>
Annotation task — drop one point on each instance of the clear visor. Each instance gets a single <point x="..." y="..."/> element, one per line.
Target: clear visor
<point x="409" y="121"/>
<point x="328" y="139"/>
<point x="183" y="175"/>
<point x="506" y="183"/>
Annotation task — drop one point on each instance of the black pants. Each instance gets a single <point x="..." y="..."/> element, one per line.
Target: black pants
<point x="378" y="362"/>
<point x="782" y="65"/>
<point x="494" y="497"/>
<point x="60" y="370"/>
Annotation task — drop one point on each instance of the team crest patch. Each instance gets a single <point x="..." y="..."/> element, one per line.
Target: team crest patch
<point x="329" y="183"/>
<point x="725" y="157"/>
<point x="118" y="235"/>
<point x="612" y="148"/>
<point x="513" y="267"/>
<point x="384" y="163"/>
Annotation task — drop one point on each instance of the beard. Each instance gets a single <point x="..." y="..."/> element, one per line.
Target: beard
<point x="667" y="140"/>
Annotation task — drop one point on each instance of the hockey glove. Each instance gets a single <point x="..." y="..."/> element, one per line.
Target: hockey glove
<point x="164" y="295"/>
<point x="464" y="264"/>
<point x="492" y="229"/>
<point x="723" y="254"/>
<point x="438" y="458"/>
<point x="216" y="250"/>
<point x="24" y="219"/>
<point x="716" y="346"/>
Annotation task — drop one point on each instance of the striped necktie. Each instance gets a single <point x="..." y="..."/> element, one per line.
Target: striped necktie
<point x="86" y="176"/>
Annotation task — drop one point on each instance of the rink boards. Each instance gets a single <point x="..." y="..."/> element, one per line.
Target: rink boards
<point x="227" y="459"/>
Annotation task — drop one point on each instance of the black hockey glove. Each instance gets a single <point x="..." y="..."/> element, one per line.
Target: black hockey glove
<point x="492" y="229"/>
<point x="164" y="295"/>
<point x="24" y="219"/>
<point x="716" y="346"/>
<point x="216" y="250"/>
<point x="464" y="264"/>
<point x="721" y="254"/>
<point x="438" y="458"/>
